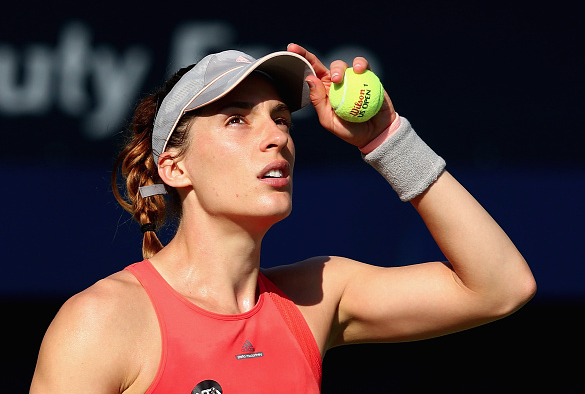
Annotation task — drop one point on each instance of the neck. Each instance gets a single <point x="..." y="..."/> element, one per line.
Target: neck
<point x="213" y="263"/>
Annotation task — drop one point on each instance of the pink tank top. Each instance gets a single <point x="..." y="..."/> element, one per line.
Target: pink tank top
<point x="269" y="349"/>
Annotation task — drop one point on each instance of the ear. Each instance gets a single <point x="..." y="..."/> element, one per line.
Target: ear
<point x="171" y="171"/>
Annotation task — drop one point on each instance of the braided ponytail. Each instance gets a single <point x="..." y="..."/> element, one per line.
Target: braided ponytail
<point x="139" y="169"/>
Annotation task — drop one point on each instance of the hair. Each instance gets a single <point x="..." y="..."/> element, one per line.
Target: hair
<point x="139" y="169"/>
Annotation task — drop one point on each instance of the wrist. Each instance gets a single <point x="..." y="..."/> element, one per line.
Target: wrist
<point x="382" y="137"/>
<point x="406" y="161"/>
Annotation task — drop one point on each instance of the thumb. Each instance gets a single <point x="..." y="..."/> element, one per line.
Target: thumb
<point x="318" y="95"/>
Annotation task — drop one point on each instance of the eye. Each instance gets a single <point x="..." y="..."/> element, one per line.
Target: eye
<point x="236" y="119"/>
<point x="287" y="123"/>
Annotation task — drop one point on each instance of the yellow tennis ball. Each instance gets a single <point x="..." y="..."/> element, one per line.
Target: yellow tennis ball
<point x="358" y="98"/>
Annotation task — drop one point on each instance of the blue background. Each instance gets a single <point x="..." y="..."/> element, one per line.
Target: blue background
<point x="495" y="88"/>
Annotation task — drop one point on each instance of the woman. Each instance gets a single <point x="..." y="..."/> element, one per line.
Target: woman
<point x="199" y="315"/>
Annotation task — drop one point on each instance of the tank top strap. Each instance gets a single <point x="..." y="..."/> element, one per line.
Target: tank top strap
<point x="150" y="279"/>
<point x="297" y="325"/>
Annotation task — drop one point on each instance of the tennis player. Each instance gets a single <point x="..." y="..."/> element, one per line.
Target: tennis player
<point x="213" y="150"/>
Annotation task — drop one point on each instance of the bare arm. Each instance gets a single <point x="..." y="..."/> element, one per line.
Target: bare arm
<point x="484" y="259"/>
<point x="71" y="358"/>
<point x="485" y="277"/>
<point x="88" y="346"/>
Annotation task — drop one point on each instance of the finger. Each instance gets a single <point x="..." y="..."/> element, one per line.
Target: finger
<point x="317" y="65"/>
<point x="318" y="95"/>
<point x="360" y="65"/>
<point x="338" y="68"/>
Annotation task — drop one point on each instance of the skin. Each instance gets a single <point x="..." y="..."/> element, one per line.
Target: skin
<point x="229" y="207"/>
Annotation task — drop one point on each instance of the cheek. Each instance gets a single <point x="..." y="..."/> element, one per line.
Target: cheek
<point x="210" y="153"/>
<point x="219" y="168"/>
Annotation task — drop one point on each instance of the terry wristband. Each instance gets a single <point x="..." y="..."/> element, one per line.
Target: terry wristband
<point x="406" y="161"/>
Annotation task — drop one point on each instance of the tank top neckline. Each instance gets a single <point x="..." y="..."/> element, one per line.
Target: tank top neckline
<point x="201" y="310"/>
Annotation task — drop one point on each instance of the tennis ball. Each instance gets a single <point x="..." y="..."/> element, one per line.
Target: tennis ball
<point x="358" y="98"/>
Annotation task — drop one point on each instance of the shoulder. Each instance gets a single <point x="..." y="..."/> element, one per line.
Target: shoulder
<point x="104" y="302"/>
<point x="316" y="286"/>
<point x="320" y="280"/>
<point x="87" y="343"/>
<point x="108" y="312"/>
<point x="321" y="272"/>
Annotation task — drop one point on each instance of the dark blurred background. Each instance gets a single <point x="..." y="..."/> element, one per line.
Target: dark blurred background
<point x="495" y="87"/>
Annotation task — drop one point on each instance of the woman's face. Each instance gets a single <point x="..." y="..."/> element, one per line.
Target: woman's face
<point x="241" y="156"/>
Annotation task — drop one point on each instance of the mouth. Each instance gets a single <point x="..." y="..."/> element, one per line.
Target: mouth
<point x="276" y="173"/>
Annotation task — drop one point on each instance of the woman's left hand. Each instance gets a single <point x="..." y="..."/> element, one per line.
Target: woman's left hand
<point x="358" y="134"/>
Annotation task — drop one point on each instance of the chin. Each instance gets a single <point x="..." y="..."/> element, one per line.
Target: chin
<point x="279" y="214"/>
<point x="276" y="204"/>
<point x="275" y="215"/>
<point x="262" y="222"/>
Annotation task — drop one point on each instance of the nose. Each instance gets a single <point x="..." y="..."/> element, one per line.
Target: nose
<point x="274" y="137"/>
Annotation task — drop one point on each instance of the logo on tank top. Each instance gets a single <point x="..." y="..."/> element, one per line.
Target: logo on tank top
<point x="247" y="347"/>
<point x="207" y="387"/>
<point x="248" y="351"/>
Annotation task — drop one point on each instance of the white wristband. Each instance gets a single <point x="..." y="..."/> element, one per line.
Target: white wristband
<point x="406" y="161"/>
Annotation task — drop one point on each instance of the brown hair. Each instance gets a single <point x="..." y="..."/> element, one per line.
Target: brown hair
<point x="139" y="169"/>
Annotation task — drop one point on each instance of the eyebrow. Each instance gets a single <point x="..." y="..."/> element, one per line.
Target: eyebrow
<point x="238" y="105"/>
<point x="247" y="105"/>
<point x="282" y="107"/>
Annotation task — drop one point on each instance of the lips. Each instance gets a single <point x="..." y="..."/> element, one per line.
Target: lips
<point x="276" y="173"/>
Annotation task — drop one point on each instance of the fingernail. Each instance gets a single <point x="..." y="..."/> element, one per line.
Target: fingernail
<point x="311" y="84"/>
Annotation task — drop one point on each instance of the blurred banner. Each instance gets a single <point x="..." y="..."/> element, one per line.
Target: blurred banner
<point x="495" y="89"/>
<point x="83" y="92"/>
